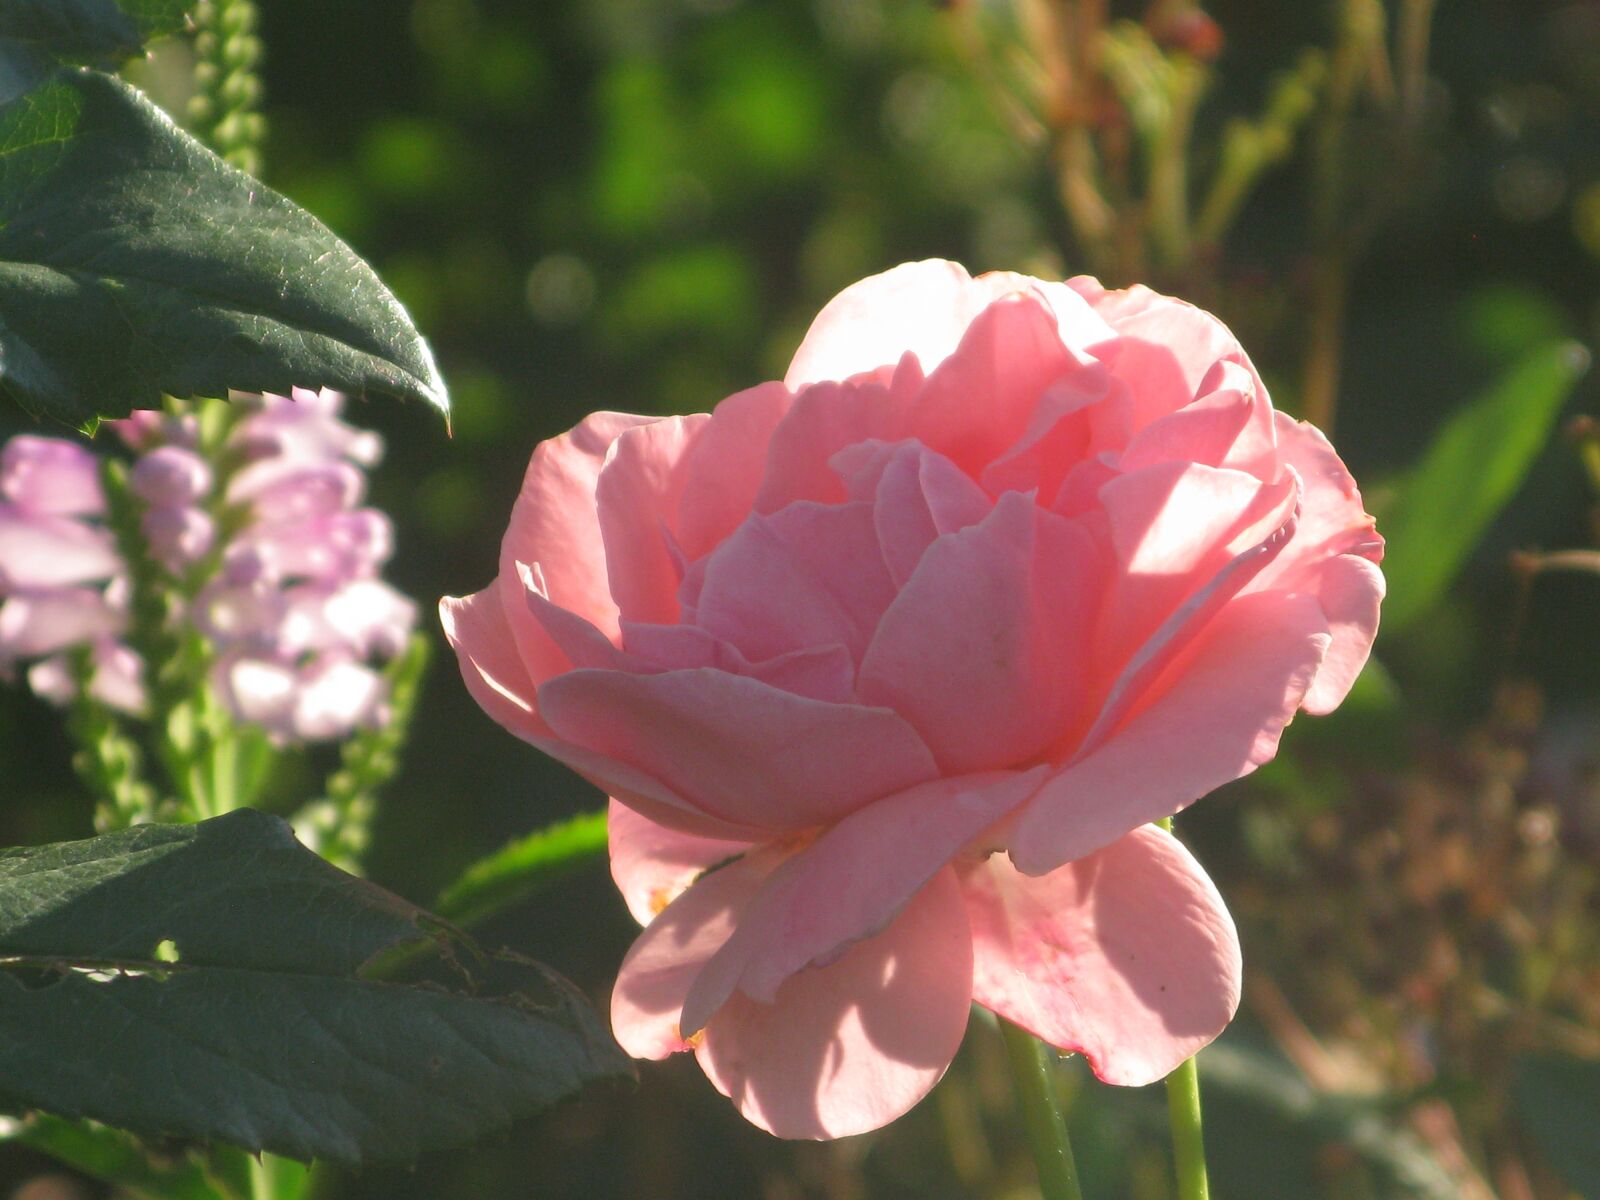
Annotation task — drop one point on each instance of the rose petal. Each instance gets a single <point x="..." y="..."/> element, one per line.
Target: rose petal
<point x="1349" y="589"/>
<point x="852" y="1046"/>
<point x="477" y="630"/>
<point x="1128" y="956"/>
<point x="580" y="643"/>
<point x="1173" y="527"/>
<point x="653" y="865"/>
<point x="724" y="466"/>
<point x="822" y="672"/>
<point x="924" y="309"/>
<point x="740" y="750"/>
<point x="1229" y="425"/>
<point x="826" y="418"/>
<point x="985" y="650"/>
<point x="850" y="884"/>
<point x="637" y="498"/>
<point x="809" y="575"/>
<point x="555" y="523"/>
<point x="1008" y="356"/>
<point x="661" y="965"/>
<point x="1334" y="521"/>
<point x="920" y="308"/>
<point x="1189" y="619"/>
<point x="1164" y="349"/>
<point x="1058" y="435"/>
<point x="917" y="497"/>
<point x="1219" y="717"/>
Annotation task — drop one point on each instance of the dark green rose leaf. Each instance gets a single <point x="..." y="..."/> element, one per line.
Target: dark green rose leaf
<point x="206" y="981"/>
<point x="99" y="30"/>
<point x="134" y="262"/>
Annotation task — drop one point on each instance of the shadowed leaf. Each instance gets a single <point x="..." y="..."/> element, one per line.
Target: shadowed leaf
<point x="134" y="262"/>
<point x="98" y="30"/>
<point x="263" y="1032"/>
<point x="1474" y="466"/>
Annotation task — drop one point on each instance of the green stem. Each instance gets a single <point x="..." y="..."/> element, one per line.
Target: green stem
<point x="1188" y="1139"/>
<point x="1041" y="1114"/>
<point x="222" y="784"/>
<point x="261" y="1186"/>
<point x="227" y="90"/>
<point x="1183" y="1110"/>
<point x="1169" y="163"/>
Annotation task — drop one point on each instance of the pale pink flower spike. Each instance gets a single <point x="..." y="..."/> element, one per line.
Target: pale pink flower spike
<point x="297" y="613"/>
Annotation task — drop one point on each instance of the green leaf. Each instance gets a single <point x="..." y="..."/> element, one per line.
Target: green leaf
<point x="114" y="1157"/>
<point x="524" y="867"/>
<point x="100" y="30"/>
<point x="263" y="1032"/>
<point x="1255" y="1098"/>
<point x="1474" y="466"/>
<point x="1558" y="1100"/>
<point x="134" y="262"/>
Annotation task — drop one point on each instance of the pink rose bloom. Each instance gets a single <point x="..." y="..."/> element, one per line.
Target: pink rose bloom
<point x="917" y="644"/>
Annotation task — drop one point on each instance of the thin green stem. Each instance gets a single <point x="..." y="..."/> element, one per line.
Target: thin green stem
<point x="1183" y="1111"/>
<point x="1188" y="1138"/>
<point x="223" y="781"/>
<point x="1041" y="1114"/>
<point x="1169" y="162"/>
<point x="261" y="1185"/>
<point x="227" y="89"/>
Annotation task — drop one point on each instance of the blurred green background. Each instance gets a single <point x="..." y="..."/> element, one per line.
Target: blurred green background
<point x="639" y="204"/>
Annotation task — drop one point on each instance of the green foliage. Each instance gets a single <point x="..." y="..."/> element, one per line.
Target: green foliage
<point x="91" y="30"/>
<point x="134" y="262"/>
<point x="222" y="110"/>
<point x="115" y="1157"/>
<point x="1255" y="1099"/>
<point x="1474" y="466"/>
<point x="524" y="867"/>
<point x="205" y="981"/>
<point x="1558" y="1100"/>
<point x="338" y="825"/>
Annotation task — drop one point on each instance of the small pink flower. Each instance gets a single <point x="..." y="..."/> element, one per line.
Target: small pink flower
<point x="116" y="677"/>
<point x="295" y="612"/>
<point x="48" y="475"/>
<point x="304" y="427"/>
<point x="61" y="581"/>
<point x="170" y="477"/>
<point x="1002" y="565"/>
<point x="178" y="537"/>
